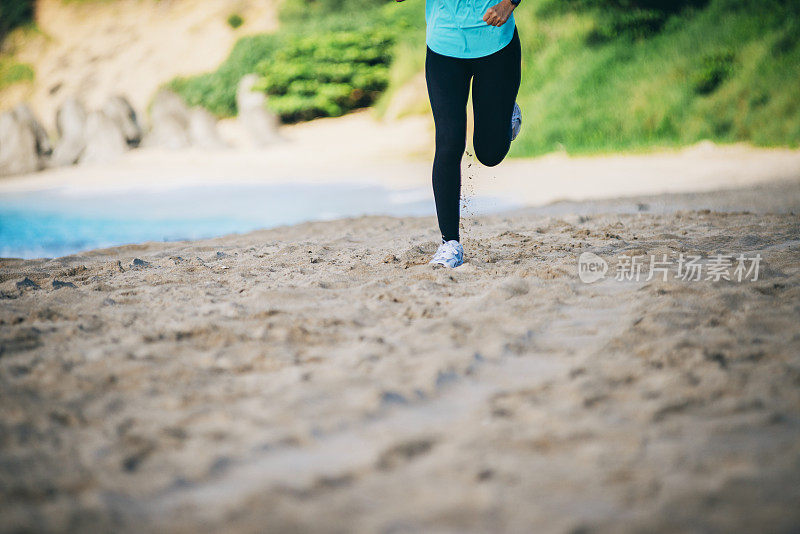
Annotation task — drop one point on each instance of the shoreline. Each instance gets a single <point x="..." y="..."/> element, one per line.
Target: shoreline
<point x="782" y="197"/>
<point x="360" y="150"/>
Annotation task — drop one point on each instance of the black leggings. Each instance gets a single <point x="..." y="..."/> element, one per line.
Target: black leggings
<point x="495" y="82"/>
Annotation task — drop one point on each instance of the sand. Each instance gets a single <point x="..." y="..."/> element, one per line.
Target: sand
<point x="322" y="377"/>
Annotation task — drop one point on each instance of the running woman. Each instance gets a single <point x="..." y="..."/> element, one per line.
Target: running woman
<point x="469" y="40"/>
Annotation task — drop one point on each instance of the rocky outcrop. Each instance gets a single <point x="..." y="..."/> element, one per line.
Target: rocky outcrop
<point x="118" y="109"/>
<point x="169" y="122"/>
<point x="105" y="134"/>
<point x="203" y="129"/>
<point x="96" y="137"/>
<point x="175" y="126"/>
<point x="260" y="124"/>
<point x="25" y="115"/>
<point x="71" y="125"/>
<point x="105" y="140"/>
<point x="18" y="149"/>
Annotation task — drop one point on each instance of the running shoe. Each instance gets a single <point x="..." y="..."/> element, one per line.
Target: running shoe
<point x="516" y="121"/>
<point x="449" y="254"/>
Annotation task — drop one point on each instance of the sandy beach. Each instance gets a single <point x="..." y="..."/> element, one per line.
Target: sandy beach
<point x="321" y="377"/>
<point x="265" y="348"/>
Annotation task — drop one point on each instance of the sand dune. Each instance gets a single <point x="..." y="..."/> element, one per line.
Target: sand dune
<point x="321" y="377"/>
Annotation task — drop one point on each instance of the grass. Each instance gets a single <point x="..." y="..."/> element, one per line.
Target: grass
<point x="727" y="73"/>
<point x="12" y="73"/>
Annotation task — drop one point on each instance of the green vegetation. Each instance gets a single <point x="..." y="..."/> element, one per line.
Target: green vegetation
<point x="12" y="72"/>
<point x="235" y="20"/>
<point x="598" y="75"/>
<point x="216" y="91"/>
<point x="726" y="71"/>
<point x="712" y="71"/>
<point x="326" y="75"/>
<point x="14" y="13"/>
<point x="300" y="12"/>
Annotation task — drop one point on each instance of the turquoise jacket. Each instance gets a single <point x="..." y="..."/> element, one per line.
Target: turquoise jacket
<point x="456" y="28"/>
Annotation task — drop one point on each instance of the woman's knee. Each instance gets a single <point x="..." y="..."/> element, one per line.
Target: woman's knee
<point x="450" y="148"/>
<point x="490" y="156"/>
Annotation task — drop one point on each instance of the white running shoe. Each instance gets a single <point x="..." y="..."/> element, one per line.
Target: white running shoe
<point x="516" y="121"/>
<point x="449" y="254"/>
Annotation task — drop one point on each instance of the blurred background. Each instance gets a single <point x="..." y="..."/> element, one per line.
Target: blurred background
<point x="131" y="120"/>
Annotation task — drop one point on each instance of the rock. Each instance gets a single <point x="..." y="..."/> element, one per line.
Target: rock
<point x="175" y="126"/>
<point x="18" y="152"/>
<point x="139" y="263"/>
<point x="104" y="140"/>
<point x="27" y="283"/>
<point x="71" y="125"/>
<point x="58" y="284"/>
<point x="392" y="397"/>
<point x="260" y="123"/>
<point x="203" y="129"/>
<point x="100" y="136"/>
<point x="24" y="144"/>
<point x="25" y="115"/>
<point x="118" y="109"/>
<point x="169" y="119"/>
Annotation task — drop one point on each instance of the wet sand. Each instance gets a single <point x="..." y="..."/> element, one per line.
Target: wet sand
<point x="321" y="377"/>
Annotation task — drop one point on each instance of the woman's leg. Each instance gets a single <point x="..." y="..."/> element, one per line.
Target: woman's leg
<point x="494" y="91"/>
<point x="448" y="90"/>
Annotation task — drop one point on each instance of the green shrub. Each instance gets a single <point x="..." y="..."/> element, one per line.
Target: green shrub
<point x="235" y="20"/>
<point x="326" y="75"/>
<point x="713" y="71"/>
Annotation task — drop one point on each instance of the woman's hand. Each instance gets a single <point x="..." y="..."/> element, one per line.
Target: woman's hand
<point x="498" y="14"/>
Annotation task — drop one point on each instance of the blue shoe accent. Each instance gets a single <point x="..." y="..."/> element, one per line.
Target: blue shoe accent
<point x="450" y="254"/>
<point x="516" y="121"/>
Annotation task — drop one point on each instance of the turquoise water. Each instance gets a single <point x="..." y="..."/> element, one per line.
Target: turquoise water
<point x="59" y="222"/>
